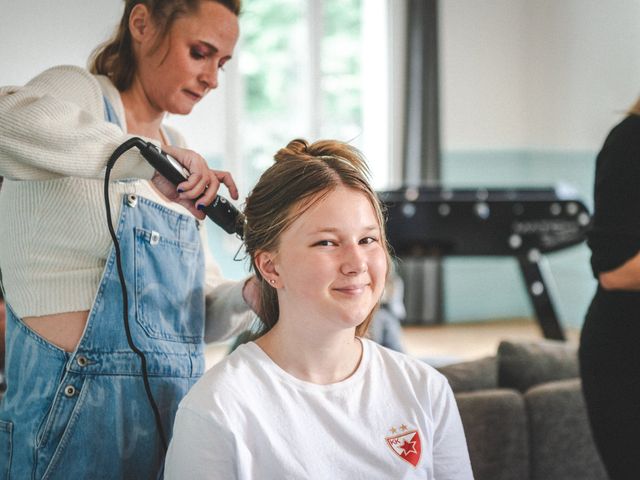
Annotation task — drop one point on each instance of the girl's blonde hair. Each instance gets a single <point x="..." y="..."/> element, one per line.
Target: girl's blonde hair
<point x="302" y="175"/>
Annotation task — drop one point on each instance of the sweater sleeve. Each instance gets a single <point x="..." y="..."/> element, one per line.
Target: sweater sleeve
<point x="227" y="314"/>
<point x="615" y="234"/>
<point x="54" y="126"/>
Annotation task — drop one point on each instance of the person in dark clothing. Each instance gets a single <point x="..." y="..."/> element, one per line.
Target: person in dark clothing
<point x="609" y="352"/>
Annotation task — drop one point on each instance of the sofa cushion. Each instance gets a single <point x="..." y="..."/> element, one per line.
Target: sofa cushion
<point x="561" y="443"/>
<point x="522" y="365"/>
<point x="474" y="375"/>
<point x="495" y="426"/>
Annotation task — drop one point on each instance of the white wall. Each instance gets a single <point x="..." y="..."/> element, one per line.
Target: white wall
<point x="583" y="69"/>
<point x="482" y="73"/>
<point x="36" y="34"/>
<point x="550" y="74"/>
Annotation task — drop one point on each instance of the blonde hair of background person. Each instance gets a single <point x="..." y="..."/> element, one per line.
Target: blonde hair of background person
<point x="76" y="404"/>
<point x="635" y="109"/>
<point x="311" y="397"/>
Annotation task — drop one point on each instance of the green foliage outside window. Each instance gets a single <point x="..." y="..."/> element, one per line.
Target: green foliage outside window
<point x="341" y="69"/>
<point x="274" y="52"/>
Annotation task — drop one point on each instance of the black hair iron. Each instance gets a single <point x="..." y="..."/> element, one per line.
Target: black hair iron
<point x="221" y="211"/>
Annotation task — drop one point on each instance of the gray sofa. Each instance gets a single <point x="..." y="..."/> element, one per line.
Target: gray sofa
<point x="524" y="415"/>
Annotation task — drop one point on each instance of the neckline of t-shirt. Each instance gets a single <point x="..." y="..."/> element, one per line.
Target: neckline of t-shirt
<point x="263" y="358"/>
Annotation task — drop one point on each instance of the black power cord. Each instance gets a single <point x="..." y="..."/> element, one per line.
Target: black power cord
<point x="133" y="142"/>
<point x="221" y="211"/>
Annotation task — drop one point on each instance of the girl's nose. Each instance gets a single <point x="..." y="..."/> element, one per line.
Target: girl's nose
<point x="354" y="262"/>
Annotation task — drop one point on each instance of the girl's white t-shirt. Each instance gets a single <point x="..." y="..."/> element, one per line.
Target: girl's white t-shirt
<point x="246" y="418"/>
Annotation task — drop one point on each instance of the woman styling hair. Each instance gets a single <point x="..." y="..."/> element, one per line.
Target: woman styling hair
<point x="76" y="404"/>
<point x="312" y="397"/>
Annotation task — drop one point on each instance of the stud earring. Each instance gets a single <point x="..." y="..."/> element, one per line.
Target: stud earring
<point x="272" y="281"/>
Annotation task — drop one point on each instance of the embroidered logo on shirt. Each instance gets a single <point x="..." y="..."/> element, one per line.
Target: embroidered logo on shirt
<point x="406" y="444"/>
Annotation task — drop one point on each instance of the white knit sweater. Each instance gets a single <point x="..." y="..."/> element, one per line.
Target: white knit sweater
<point x="54" y="241"/>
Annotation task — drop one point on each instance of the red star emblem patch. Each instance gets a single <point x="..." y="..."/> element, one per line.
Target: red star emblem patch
<point x="407" y="446"/>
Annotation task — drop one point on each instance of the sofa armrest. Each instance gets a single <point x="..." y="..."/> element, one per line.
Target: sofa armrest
<point x="562" y="447"/>
<point x="495" y="426"/>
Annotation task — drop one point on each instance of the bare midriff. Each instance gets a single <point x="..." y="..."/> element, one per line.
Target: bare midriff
<point x="63" y="330"/>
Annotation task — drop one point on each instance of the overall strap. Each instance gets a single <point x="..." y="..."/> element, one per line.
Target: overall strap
<point x="169" y="135"/>
<point x="110" y="113"/>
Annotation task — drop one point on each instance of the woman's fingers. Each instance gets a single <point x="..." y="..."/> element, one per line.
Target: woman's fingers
<point x="210" y="192"/>
<point x="193" y="187"/>
<point x="227" y="179"/>
<point x="203" y="183"/>
<point x="168" y="189"/>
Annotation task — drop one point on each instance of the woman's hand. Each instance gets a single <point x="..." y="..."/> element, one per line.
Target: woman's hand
<point x="201" y="188"/>
<point x="251" y="294"/>
<point x="624" y="277"/>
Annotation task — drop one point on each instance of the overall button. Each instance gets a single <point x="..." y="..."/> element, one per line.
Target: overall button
<point x="82" y="360"/>
<point x="155" y="238"/>
<point x="132" y="200"/>
<point x="69" y="390"/>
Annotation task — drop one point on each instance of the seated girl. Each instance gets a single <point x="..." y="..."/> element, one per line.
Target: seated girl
<point x="312" y="398"/>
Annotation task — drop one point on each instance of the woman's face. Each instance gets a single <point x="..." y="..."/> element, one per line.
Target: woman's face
<point x="331" y="263"/>
<point x="185" y="67"/>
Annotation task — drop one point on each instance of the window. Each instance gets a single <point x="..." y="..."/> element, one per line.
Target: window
<point x="310" y="70"/>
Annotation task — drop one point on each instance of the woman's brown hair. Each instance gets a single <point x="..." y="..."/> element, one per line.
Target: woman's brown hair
<point x="302" y="175"/>
<point x="115" y="57"/>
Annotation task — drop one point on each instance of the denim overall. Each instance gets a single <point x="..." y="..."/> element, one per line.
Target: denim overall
<point x="86" y="414"/>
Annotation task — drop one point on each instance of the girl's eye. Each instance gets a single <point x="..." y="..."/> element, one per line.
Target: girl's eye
<point x="368" y="240"/>
<point x="325" y="243"/>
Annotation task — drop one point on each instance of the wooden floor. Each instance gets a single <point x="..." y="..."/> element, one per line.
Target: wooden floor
<point x="441" y="344"/>
<point x="467" y="341"/>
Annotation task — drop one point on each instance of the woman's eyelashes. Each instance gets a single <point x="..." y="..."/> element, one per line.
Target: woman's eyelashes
<point x="199" y="53"/>
<point x="204" y="53"/>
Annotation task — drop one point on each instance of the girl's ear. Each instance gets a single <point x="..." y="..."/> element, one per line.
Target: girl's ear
<point x="140" y="24"/>
<point x="265" y="263"/>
